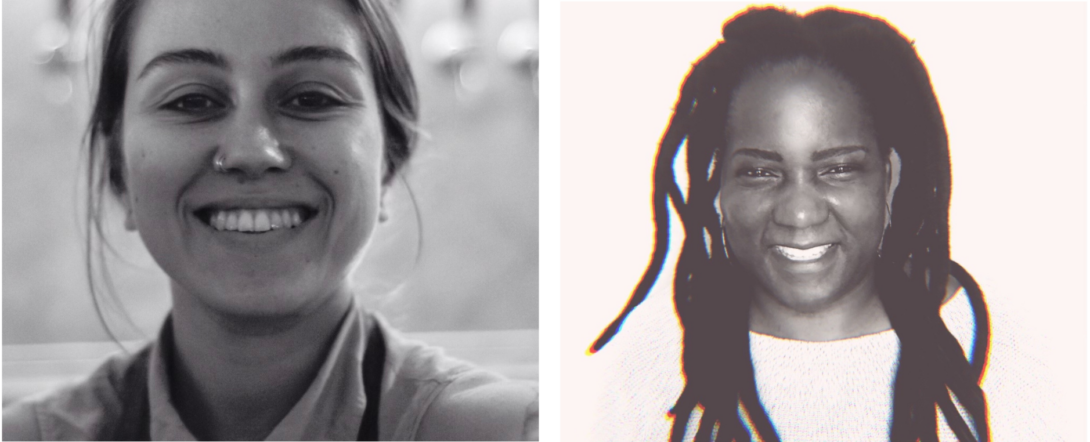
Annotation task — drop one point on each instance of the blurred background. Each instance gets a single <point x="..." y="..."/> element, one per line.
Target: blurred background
<point x="457" y="268"/>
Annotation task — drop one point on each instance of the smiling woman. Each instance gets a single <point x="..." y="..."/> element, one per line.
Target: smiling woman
<point x="251" y="144"/>
<point x="769" y="132"/>
<point x="816" y="249"/>
<point x="807" y="202"/>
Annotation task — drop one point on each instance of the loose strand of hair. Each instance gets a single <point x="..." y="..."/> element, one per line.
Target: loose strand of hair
<point x="662" y="242"/>
<point x="665" y="187"/>
<point x="958" y="426"/>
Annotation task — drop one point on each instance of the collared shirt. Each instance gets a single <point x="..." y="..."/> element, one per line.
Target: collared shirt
<point x="330" y="409"/>
<point x="426" y="395"/>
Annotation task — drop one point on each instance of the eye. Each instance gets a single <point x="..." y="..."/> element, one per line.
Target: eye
<point x="193" y="104"/>
<point x="842" y="169"/>
<point x="756" y="172"/>
<point x="312" y="101"/>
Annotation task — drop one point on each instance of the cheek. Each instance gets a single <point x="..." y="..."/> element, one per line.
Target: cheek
<point x="354" y="158"/>
<point x="744" y="209"/>
<point x="354" y="174"/>
<point x="159" y="162"/>
<point x="862" y="211"/>
<point x="745" y="215"/>
<point x="350" y="160"/>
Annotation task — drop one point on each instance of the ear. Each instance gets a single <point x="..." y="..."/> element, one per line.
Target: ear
<point x="383" y="215"/>
<point x="893" y="171"/>
<point x="130" y="220"/>
<point x="718" y="206"/>
<point x="722" y="228"/>
<point x="116" y="160"/>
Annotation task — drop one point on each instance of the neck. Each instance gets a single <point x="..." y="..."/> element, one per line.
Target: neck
<point x="859" y="312"/>
<point x="237" y="377"/>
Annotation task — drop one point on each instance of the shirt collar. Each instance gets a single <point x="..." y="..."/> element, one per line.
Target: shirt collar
<point x="330" y="409"/>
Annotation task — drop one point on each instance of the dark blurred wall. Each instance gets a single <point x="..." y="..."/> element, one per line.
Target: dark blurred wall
<point x="474" y="179"/>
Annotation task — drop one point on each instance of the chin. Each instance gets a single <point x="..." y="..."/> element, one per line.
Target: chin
<point x="805" y="297"/>
<point x="268" y="299"/>
<point x="806" y="301"/>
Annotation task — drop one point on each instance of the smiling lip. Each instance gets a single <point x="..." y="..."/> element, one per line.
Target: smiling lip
<point x="254" y="216"/>
<point x="803" y="254"/>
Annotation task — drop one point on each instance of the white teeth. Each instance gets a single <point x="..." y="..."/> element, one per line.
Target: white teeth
<point x="219" y="220"/>
<point x="261" y="221"/>
<point x="803" y="254"/>
<point x="232" y="221"/>
<point x="246" y="221"/>
<point x="255" y="220"/>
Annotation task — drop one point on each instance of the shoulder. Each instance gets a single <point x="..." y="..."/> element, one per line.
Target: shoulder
<point x="82" y="410"/>
<point x="428" y="395"/>
<point x="21" y="422"/>
<point x="481" y="406"/>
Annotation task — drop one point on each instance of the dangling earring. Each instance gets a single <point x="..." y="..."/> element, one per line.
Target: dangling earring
<point x="722" y="228"/>
<point x="130" y="221"/>
<point x="382" y="215"/>
<point x="889" y="223"/>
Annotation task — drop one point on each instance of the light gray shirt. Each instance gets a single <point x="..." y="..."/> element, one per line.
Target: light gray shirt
<point x="425" y="396"/>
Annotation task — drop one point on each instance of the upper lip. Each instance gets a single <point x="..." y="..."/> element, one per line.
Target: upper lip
<point x="255" y="203"/>
<point x="205" y="210"/>
<point x="804" y="246"/>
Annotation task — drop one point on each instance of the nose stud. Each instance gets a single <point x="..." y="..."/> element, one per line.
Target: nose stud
<point x="217" y="163"/>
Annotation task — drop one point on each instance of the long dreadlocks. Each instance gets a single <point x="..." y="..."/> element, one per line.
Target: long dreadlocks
<point x="712" y="293"/>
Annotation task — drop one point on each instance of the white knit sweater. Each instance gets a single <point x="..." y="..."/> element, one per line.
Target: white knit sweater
<point x="812" y="391"/>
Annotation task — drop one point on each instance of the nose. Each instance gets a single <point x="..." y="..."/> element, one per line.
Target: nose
<point x="800" y="206"/>
<point x="252" y="148"/>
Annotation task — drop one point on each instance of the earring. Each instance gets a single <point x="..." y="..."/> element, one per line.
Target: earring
<point x="382" y="215"/>
<point x="217" y="163"/>
<point x="130" y="222"/>
<point x="889" y="223"/>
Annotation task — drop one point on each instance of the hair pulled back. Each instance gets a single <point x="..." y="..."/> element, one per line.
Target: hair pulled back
<point x="394" y="83"/>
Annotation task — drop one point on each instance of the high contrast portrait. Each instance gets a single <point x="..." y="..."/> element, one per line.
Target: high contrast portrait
<point x="269" y="159"/>
<point x="802" y="260"/>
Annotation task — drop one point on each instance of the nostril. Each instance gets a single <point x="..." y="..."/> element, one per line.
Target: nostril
<point x="252" y="150"/>
<point x="250" y="164"/>
<point x="801" y="210"/>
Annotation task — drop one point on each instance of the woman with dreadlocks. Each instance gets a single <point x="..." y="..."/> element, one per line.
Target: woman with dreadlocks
<point x="816" y="236"/>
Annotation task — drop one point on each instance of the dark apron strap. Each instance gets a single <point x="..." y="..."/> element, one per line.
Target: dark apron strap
<point x="135" y="420"/>
<point x="374" y="361"/>
<point x="134" y="423"/>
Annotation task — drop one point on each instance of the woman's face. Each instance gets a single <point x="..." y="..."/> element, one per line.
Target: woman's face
<point x="804" y="186"/>
<point x="282" y="91"/>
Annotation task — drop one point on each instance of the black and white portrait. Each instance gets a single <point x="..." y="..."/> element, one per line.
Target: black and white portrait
<point x="270" y="220"/>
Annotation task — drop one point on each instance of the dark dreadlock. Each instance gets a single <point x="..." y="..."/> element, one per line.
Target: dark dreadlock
<point x="712" y="293"/>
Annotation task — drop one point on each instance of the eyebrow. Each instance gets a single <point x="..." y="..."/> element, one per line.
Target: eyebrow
<point x="315" y="53"/>
<point x="759" y="154"/>
<point x="184" y="56"/>
<point x="210" y="58"/>
<point x="835" y="152"/>
<point x="816" y="156"/>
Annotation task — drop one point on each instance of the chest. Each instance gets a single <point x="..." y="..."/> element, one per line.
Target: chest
<point x="840" y="390"/>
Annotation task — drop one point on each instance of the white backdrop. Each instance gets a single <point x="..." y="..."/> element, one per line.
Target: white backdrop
<point x="1011" y="80"/>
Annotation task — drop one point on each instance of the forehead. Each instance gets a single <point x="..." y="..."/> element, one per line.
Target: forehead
<point x="797" y="105"/>
<point x="241" y="29"/>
